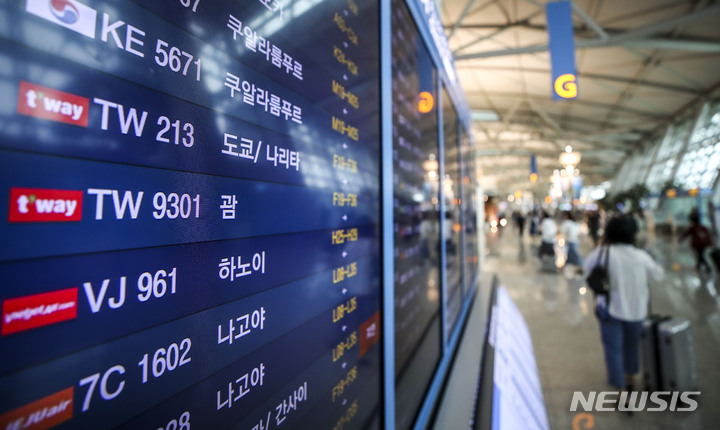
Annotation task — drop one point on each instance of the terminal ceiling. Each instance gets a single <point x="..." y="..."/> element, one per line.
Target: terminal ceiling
<point x="641" y="65"/>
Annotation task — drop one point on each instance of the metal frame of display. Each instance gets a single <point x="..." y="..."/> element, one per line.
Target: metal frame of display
<point x="388" y="264"/>
<point x="449" y="343"/>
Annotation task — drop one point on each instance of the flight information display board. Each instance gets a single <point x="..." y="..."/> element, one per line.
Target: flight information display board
<point x="469" y="209"/>
<point x="192" y="235"/>
<point x="452" y="230"/>
<point x="416" y="212"/>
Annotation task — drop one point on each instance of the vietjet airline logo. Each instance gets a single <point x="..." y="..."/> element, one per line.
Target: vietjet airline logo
<point x="67" y="13"/>
<point x="41" y="414"/>
<point x="39" y="310"/>
<point x="47" y="103"/>
<point x="41" y="205"/>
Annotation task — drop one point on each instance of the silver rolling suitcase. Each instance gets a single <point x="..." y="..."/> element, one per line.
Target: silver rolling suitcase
<point x="677" y="355"/>
<point x="668" y="355"/>
<point x="648" y="353"/>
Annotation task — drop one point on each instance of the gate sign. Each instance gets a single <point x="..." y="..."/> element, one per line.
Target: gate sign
<point x="562" y="50"/>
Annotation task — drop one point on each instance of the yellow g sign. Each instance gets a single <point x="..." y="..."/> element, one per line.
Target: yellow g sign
<point x="583" y="421"/>
<point x="565" y="86"/>
<point x="426" y="102"/>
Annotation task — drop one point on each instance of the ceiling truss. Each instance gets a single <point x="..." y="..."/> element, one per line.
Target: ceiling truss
<point x="641" y="64"/>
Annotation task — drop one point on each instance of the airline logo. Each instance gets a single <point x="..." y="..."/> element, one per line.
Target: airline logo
<point x="38" y="310"/>
<point x="369" y="333"/>
<point x="47" y="103"/>
<point x="41" y="205"/>
<point x="67" y="13"/>
<point x="41" y="414"/>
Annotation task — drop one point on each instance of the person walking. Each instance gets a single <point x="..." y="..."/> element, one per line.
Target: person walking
<point x="520" y="220"/>
<point x="534" y="223"/>
<point x="570" y="232"/>
<point x="700" y="239"/>
<point x="641" y="238"/>
<point x="593" y="223"/>
<point x="548" y="232"/>
<point x="622" y="312"/>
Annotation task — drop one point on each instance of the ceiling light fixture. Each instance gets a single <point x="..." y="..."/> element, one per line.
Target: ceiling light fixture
<point x="484" y="115"/>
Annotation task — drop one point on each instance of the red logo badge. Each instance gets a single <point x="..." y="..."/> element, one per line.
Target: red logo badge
<point x="41" y="414"/>
<point x="47" y="103"/>
<point x="369" y="333"/>
<point x="41" y="205"/>
<point x="38" y="310"/>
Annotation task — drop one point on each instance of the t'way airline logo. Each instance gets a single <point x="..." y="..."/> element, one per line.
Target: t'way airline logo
<point x="47" y="103"/>
<point x="38" y="310"/>
<point x="40" y="205"/>
<point x="67" y="13"/>
<point x="41" y="414"/>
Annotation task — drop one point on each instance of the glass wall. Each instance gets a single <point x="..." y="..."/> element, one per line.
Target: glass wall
<point x="699" y="165"/>
<point x="667" y="155"/>
<point x="629" y="174"/>
<point x="687" y="159"/>
<point x="686" y="156"/>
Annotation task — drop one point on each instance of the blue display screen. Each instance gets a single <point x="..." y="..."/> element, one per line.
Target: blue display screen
<point x="192" y="235"/>
<point x="416" y="214"/>
<point x="452" y="222"/>
<point x="469" y="209"/>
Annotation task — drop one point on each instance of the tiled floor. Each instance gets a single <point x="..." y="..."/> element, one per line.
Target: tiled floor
<point x="567" y="341"/>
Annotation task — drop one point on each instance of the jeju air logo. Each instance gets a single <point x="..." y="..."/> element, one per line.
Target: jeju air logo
<point x="42" y="205"/>
<point x="47" y="103"/>
<point x="67" y="13"/>
<point x="41" y="414"/>
<point x="64" y="11"/>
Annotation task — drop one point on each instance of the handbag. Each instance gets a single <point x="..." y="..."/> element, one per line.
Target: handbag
<point x="598" y="279"/>
<point x="601" y="308"/>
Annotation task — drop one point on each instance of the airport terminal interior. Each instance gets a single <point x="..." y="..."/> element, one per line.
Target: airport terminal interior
<point x="346" y="214"/>
<point x="630" y="79"/>
<point x="566" y="336"/>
